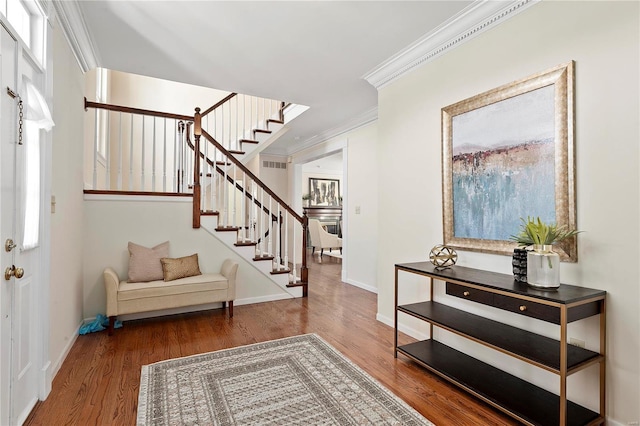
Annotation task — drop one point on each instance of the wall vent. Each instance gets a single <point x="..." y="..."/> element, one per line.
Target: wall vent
<point x="274" y="165"/>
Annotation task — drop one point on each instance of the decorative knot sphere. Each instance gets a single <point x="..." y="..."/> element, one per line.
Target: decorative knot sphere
<point x="443" y="256"/>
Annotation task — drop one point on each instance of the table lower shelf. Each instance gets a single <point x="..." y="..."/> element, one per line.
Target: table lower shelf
<point x="521" y="399"/>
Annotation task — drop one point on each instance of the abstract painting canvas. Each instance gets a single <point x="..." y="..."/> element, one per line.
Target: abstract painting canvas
<point x="508" y="154"/>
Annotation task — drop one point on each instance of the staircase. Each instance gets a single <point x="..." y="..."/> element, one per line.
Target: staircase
<point x="149" y="152"/>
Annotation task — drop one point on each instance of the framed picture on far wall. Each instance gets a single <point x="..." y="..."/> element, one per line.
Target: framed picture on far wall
<point x="324" y="192"/>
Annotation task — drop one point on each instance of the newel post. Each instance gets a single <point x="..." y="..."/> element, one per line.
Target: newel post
<point x="197" y="132"/>
<point x="304" y="272"/>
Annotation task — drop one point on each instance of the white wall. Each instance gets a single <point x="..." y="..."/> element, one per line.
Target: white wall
<point x="603" y="39"/>
<point x="109" y="224"/>
<point x="66" y="280"/>
<point x="362" y="194"/>
<point x="138" y="91"/>
<point x="276" y="179"/>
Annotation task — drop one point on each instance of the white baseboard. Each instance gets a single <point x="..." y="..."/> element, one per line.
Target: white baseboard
<point x="44" y="387"/>
<point x="363" y="286"/>
<point x="50" y="370"/>
<point x="403" y="328"/>
<point x="262" y="299"/>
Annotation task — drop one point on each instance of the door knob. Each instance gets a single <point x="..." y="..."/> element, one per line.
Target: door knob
<point x="9" y="245"/>
<point x="13" y="271"/>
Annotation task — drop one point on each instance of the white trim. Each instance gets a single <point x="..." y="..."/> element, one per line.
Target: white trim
<point x="75" y="31"/>
<point x="473" y="20"/>
<point x="354" y="123"/>
<point x="51" y="370"/>
<point x="143" y="198"/>
<point x="402" y="328"/>
<point x="262" y="299"/>
<point x="363" y="286"/>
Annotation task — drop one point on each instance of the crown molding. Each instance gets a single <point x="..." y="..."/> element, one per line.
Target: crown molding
<point x="473" y="20"/>
<point x="76" y="32"/>
<point x="358" y="121"/>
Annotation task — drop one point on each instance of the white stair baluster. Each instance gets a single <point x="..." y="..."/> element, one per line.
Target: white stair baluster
<point x="96" y="149"/>
<point x="119" y="179"/>
<point x="278" y="242"/>
<point x="225" y="200"/>
<point x="295" y="255"/>
<point x="142" y="146"/>
<point x="153" y="158"/>
<point x="270" y="227"/>
<point x="234" y="194"/>
<point x="176" y="154"/>
<point x="108" y="153"/>
<point x="243" y="208"/>
<point x="131" y="156"/>
<point x="244" y="117"/>
<point x="164" y="157"/>
<point x="286" y="240"/>
<point x="262" y="227"/>
<point x="237" y="138"/>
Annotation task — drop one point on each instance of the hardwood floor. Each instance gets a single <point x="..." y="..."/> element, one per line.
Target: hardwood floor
<point x="98" y="382"/>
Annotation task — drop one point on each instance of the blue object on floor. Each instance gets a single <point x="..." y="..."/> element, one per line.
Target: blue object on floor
<point x="100" y="323"/>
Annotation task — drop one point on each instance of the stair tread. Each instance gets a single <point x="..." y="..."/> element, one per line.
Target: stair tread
<point x="261" y="131"/>
<point x="235" y="151"/>
<point x="248" y="141"/>
<point x="273" y="120"/>
<point x="245" y="244"/>
<point x="227" y="228"/>
<point x="209" y="213"/>
<point x="281" y="271"/>
<point x="257" y="258"/>
<point x="298" y="284"/>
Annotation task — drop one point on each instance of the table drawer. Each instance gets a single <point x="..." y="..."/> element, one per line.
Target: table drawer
<point x="469" y="293"/>
<point x="525" y="307"/>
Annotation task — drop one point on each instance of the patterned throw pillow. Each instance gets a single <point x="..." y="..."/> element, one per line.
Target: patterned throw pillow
<point x="181" y="267"/>
<point x="144" y="262"/>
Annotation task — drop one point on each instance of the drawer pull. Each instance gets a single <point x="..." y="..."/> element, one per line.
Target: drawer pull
<point x="523" y="308"/>
<point x="466" y="293"/>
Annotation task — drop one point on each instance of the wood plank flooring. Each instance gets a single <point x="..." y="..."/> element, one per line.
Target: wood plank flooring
<point x="98" y="382"/>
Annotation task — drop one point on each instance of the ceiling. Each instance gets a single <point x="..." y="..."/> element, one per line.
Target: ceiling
<point x="313" y="53"/>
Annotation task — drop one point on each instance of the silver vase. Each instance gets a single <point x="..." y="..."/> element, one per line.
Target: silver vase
<point x="543" y="267"/>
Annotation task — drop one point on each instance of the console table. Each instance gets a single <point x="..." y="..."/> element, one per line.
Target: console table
<point x="518" y="398"/>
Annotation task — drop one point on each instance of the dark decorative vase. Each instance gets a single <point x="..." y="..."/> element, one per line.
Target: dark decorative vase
<point x="519" y="263"/>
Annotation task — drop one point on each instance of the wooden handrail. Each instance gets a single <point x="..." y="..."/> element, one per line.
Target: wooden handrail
<point x="118" y="108"/>
<point x="217" y="104"/>
<point x="242" y="167"/>
<point x="232" y="181"/>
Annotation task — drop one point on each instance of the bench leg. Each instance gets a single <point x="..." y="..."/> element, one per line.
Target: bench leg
<point x="230" y="308"/>
<point x="112" y="321"/>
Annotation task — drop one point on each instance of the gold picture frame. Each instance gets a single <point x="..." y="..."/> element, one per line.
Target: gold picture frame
<point x="509" y="153"/>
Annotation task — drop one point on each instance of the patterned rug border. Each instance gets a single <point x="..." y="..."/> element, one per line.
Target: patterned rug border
<point x="144" y="378"/>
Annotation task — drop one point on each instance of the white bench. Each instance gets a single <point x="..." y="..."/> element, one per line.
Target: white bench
<point x="127" y="298"/>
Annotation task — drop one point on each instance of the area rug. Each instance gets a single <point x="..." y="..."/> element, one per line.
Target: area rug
<point x="298" y="380"/>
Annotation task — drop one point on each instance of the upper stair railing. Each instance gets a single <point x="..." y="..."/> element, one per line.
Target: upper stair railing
<point x="138" y="150"/>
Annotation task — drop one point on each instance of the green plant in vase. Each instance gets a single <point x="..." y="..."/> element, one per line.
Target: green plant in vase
<point x="541" y="236"/>
<point x="305" y="199"/>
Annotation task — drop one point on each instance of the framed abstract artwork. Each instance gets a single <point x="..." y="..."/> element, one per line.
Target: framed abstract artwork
<point x="324" y="192"/>
<point x="508" y="154"/>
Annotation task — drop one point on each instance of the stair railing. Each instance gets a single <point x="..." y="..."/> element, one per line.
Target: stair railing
<point x="225" y="187"/>
<point x="139" y="150"/>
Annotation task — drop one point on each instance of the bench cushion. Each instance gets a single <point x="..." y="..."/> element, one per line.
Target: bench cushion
<point x="199" y="283"/>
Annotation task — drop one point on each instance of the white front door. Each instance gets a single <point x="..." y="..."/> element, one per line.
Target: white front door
<point x="18" y="268"/>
